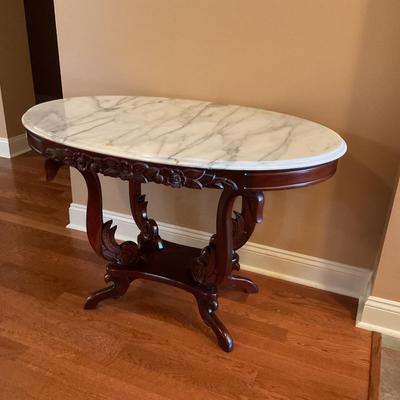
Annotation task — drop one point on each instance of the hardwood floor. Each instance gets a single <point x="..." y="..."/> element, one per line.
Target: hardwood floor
<point x="292" y="342"/>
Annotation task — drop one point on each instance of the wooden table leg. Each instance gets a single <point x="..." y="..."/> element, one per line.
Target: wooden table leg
<point x="101" y="237"/>
<point x="243" y="226"/>
<point x="216" y="262"/>
<point x="213" y="268"/>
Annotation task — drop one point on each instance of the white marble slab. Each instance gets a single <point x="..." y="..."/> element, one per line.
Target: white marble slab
<point x="185" y="132"/>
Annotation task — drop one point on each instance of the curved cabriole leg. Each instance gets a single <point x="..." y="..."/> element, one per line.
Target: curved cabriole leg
<point x="148" y="238"/>
<point x="119" y="286"/>
<point x="216" y="262"/>
<point x="243" y="226"/>
<point x="208" y="304"/>
<point x="101" y="236"/>
<point x="246" y="220"/>
<point x="213" y="266"/>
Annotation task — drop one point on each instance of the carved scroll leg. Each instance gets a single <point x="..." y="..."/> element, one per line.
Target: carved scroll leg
<point x="213" y="266"/>
<point x="119" y="286"/>
<point x="148" y="238"/>
<point x="101" y="238"/>
<point x="244" y="224"/>
<point x="208" y="304"/>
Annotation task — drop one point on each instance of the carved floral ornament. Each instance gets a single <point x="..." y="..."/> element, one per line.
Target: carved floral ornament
<point x="139" y="171"/>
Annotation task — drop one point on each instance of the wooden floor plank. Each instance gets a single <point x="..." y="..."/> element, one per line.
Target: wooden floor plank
<point x="292" y="342"/>
<point x="375" y="367"/>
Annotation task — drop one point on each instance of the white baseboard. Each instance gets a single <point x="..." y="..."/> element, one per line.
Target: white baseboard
<point x="14" y="146"/>
<point x="290" y="266"/>
<point x="381" y="315"/>
<point x="363" y="299"/>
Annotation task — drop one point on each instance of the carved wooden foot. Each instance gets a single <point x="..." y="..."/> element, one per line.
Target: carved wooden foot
<point x="240" y="283"/>
<point x="208" y="304"/>
<point x="118" y="287"/>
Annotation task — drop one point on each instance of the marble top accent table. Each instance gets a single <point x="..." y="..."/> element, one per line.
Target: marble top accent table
<point x="180" y="143"/>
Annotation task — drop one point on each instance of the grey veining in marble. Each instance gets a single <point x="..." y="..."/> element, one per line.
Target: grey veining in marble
<point x="185" y="132"/>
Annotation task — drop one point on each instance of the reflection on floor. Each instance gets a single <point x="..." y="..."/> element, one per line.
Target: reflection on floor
<point x="390" y="369"/>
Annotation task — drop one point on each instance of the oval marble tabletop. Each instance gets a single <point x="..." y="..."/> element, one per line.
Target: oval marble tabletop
<point x="185" y="132"/>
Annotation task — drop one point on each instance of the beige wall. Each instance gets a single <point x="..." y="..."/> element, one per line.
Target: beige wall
<point x="335" y="62"/>
<point x="387" y="280"/>
<point x="15" y="68"/>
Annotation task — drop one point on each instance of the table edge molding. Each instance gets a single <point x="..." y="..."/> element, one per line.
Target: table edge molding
<point x="179" y="176"/>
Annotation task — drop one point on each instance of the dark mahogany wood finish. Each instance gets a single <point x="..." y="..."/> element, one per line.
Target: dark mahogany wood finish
<point x="200" y="272"/>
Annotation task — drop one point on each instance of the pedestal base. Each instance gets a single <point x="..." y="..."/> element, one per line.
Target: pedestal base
<point x="172" y="265"/>
<point x="198" y="271"/>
